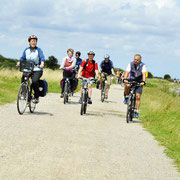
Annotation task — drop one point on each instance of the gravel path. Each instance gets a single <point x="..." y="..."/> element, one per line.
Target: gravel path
<point x="56" y="143"/>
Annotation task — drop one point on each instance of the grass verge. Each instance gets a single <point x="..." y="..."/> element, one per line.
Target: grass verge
<point x="10" y="81"/>
<point x="160" y="114"/>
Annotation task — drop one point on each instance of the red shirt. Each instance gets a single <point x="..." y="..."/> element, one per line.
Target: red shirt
<point x="89" y="71"/>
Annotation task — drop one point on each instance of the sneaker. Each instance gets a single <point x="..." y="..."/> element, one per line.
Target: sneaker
<point x="125" y="100"/>
<point x="89" y="101"/>
<point x="62" y="95"/>
<point x="80" y="100"/>
<point x="36" y="100"/>
<point x="136" y="115"/>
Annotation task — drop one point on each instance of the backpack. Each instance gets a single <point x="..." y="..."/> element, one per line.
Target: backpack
<point x="43" y="87"/>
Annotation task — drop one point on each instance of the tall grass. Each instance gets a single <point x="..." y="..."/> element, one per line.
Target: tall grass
<point x="160" y="112"/>
<point x="10" y="80"/>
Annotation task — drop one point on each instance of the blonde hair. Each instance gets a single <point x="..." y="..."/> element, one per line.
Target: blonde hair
<point x="70" y="50"/>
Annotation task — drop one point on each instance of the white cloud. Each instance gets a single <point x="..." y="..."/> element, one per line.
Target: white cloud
<point x="121" y="27"/>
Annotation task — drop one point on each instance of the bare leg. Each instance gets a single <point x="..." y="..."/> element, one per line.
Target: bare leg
<point x="90" y="90"/>
<point x="127" y="89"/>
<point x="81" y="91"/>
<point x="138" y="101"/>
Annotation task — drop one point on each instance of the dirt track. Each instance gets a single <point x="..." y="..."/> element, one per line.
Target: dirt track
<point x="57" y="143"/>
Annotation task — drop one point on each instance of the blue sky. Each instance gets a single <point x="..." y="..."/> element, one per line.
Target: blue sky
<point x="120" y="28"/>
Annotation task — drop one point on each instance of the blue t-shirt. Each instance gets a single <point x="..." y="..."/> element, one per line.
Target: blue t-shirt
<point x="78" y="62"/>
<point x="106" y="67"/>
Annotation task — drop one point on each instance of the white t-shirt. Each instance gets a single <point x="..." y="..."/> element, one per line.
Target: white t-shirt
<point x="128" y="69"/>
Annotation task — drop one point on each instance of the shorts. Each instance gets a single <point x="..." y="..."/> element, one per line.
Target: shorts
<point x="139" y="90"/>
<point x="109" y="81"/>
<point x="89" y="80"/>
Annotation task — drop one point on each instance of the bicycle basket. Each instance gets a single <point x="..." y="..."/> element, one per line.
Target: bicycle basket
<point x="27" y="66"/>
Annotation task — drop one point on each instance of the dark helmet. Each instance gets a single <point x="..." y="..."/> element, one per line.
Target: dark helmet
<point x="79" y="53"/>
<point x="91" y="53"/>
<point x="32" y="37"/>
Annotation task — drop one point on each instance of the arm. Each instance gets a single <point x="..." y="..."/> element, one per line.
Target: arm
<point x="97" y="74"/>
<point x="112" y="68"/>
<point x="112" y="71"/>
<point x="80" y="71"/>
<point x="62" y="64"/>
<point x="41" y="58"/>
<point x="144" y="70"/>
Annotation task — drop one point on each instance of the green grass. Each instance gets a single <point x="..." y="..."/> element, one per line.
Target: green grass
<point x="160" y="112"/>
<point x="10" y="82"/>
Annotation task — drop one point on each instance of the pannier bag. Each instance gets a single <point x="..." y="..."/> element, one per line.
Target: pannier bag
<point x="43" y="87"/>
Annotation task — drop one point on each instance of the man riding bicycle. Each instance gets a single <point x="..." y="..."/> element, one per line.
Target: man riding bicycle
<point x="106" y="67"/>
<point x="89" y="68"/>
<point x="78" y="60"/>
<point x="68" y="64"/>
<point x="136" y="71"/>
<point x="35" y="54"/>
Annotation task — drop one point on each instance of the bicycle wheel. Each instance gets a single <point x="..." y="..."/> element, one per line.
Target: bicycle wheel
<point x="22" y="98"/>
<point x="102" y="93"/>
<point x="65" y="93"/>
<point x="83" y="103"/>
<point x="32" y="106"/>
<point x="85" y="100"/>
<point x="129" y="111"/>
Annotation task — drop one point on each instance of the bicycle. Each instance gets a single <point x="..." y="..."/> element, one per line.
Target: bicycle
<point x="26" y="93"/>
<point x="131" y="101"/>
<point x="85" y="95"/>
<point x="67" y="89"/>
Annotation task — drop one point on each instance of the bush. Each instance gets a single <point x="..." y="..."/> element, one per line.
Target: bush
<point x="52" y="63"/>
<point x="167" y="77"/>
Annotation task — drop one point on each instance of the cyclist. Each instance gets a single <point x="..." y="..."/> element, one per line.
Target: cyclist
<point x="68" y="64"/>
<point x="34" y="53"/>
<point x="78" y="60"/>
<point x="118" y="76"/>
<point x="106" y="67"/>
<point x="89" y="68"/>
<point x="137" y="71"/>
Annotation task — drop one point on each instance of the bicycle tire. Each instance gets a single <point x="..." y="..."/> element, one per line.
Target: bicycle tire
<point x="26" y="95"/>
<point x="83" y="103"/>
<point x="102" y="93"/>
<point x="65" y="93"/>
<point x="32" y="106"/>
<point x="129" y="111"/>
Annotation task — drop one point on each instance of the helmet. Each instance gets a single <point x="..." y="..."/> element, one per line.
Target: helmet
<point x="79" y="53"/>
<point x="32" y="37"/>
<point x="91" y="53"/>
<point x="106" y="56"/>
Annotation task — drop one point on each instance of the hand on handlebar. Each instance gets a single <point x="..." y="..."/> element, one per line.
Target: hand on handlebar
<point x="142" y="84"/>
<point x="18" y="63"/>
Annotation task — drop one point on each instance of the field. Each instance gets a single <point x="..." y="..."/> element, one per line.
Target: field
<point x="10" y="80"/>
<point x="160" y="112"/>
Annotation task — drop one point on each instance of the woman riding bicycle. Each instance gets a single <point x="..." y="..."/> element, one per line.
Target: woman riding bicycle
<point x="68" y="64"/>
<point x="35" y="54"/>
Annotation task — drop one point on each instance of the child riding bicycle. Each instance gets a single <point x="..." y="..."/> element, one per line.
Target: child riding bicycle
<point x="89" y="68"/>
